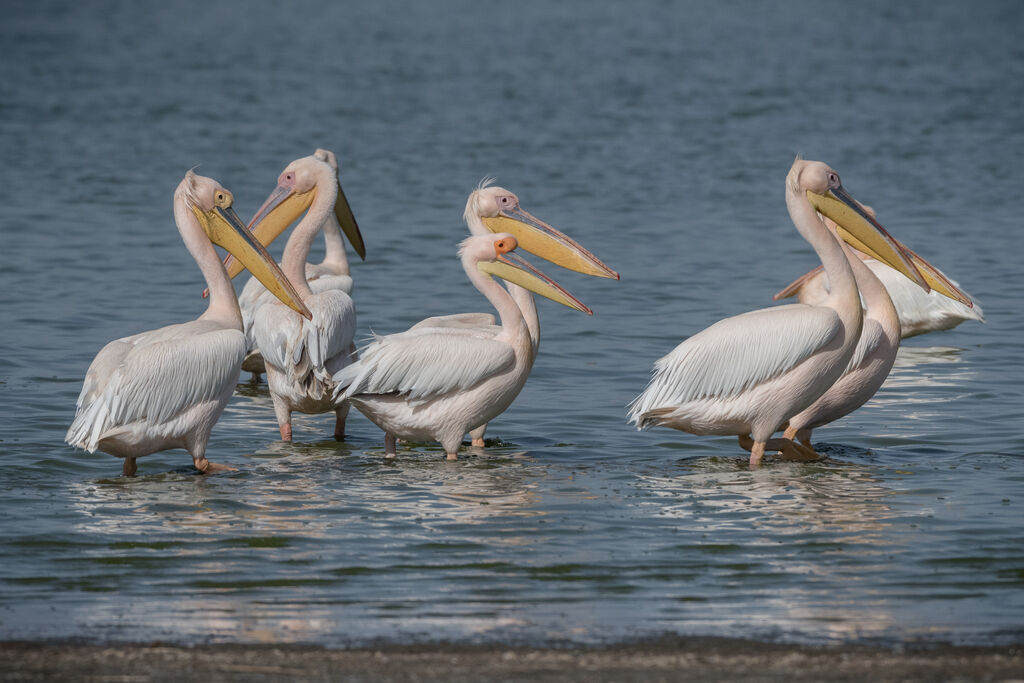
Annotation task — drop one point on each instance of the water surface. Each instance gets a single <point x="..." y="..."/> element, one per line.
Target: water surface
<point x="659" y="135"/>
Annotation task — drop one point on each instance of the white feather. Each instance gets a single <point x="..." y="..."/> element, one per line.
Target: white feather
<point x="424" y="363"/>
<point x="155" y="376"/>
<point x="721" y="362"/>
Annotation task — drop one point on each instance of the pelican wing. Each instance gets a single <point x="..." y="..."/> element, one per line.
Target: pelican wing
<point x="300" y="346"/>
<point x="737" y="353"/>
<point x="155" y="376"/>
<point x="425" y="363"/>
<point x="460" y="320"/>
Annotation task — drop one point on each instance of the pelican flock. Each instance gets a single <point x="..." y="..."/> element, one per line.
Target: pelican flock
<point x="747" y="375"/>
<point x="789" y="368"/>
<point x="492" y="209"/>
<point x="436" y="383"/>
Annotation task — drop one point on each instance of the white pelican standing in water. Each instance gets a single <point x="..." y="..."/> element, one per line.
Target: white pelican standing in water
<point x="919" y="311"/>
<point x="435" y="383"/>
<point x="492" y="209"/>
<point x="331" y="273"/>
<point x="167" y="388"/>
<point x="748" y="374"/>
<point x="301" y="355"/>
<point x="879" y="341"/>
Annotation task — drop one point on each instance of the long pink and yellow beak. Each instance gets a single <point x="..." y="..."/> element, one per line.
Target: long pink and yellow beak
<point x="515" y="269"/>
<point x="225" y="229"/>
<point x="279" y="211"/>
<point x="539" y="238"/>
<point x="934" y="278"/>
<point x="860" y="230"/>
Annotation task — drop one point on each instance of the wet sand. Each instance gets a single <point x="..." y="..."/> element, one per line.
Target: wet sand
<point x="675" y="660"/>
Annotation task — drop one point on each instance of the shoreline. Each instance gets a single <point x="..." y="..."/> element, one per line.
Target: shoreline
<point x="675" y="659"/>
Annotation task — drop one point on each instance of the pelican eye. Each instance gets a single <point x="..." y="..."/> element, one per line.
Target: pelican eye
<point x="833" y="179"/>
<point x="222" y="199"/>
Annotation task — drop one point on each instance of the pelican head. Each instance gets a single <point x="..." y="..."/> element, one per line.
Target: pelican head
<point x="825" y="192"/>
<point x="499" y="212"/>
<point x="212" y="206"/>
<point x="493" y="256"/>
<point x="297" y="188"/>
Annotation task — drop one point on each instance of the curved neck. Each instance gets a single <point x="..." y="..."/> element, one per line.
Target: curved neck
<point x="877" y="302"/>
<point x="842" y="295"/>
<point x="223" y="306"/>
<point x="334" y="255"/>
<point x="528" y="307"/>
<point x="296" y="251"/>
<point x="512" y="322"/>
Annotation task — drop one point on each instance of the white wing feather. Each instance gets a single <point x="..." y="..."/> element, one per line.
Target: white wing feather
<point x="736" y="354"/>
<point x="460" y="320"/>
<point x="155" y="376"/>
<point x="424" y="363"/>
<point x="300" y="346"/>
<point x="254" y="295"/>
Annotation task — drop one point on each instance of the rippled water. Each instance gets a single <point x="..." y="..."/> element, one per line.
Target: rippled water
<point x="658" y="134"/>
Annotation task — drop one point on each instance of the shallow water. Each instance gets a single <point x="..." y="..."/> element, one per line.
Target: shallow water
<point x="658" y="134"/>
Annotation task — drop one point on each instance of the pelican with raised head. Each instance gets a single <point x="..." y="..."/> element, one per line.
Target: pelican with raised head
<point x="492" y="209"/>
<point x="748" y="374"/>
<point x="435" y="383"/>
<point x="331" y="273"/>
<point x="301" y="355"/>
<point x="166" y="388"/>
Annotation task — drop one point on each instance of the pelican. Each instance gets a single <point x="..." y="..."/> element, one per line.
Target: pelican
<point x="879" y="341"/>
<point x="919" y="312"/>
<point x="435" y="383"/>
<point x="748" y="374"/>
<point x="300" y="356"/>
<point x="167" y="388"/>
<point x="331" y="273"/>
<point x="492" y="209"/>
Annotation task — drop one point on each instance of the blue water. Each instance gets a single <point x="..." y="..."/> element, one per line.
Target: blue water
<point x="658" y="134"/>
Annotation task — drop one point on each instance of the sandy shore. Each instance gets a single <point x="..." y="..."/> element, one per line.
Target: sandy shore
<point x="677" y="660"/>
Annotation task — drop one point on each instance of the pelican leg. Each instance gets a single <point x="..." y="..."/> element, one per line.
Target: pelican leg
<point x="756" y="448"/>
<point x="340" y="415"/>
<point x="390" y="447"/>
<point x="477" y="435"/>
<point x="284" y="418"/>
<point x="129" y="467"/>
<point x="451" y="446"/>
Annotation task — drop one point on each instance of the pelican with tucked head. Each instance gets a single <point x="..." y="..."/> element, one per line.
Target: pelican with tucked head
<point x="748" y="374"/>
<point x="331" y="273"/>
<point x="301" y="355"/>
<point x="435" y="383"/>
<point x="166" y="388"/>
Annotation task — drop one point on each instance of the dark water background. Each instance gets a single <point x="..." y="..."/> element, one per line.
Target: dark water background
<point x="656" y="133"/>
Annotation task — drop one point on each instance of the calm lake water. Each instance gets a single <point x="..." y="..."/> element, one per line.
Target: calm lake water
<point x="656" y="133"/>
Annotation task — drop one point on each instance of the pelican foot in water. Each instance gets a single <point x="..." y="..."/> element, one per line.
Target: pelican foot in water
<point x="453" y="456"/>
<point x="790" y="450"/>
<point x="286" y="432"/>
<point x="479" y="443"/>
<point x="129" y="467"/>
<point x="206" y="467"/>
